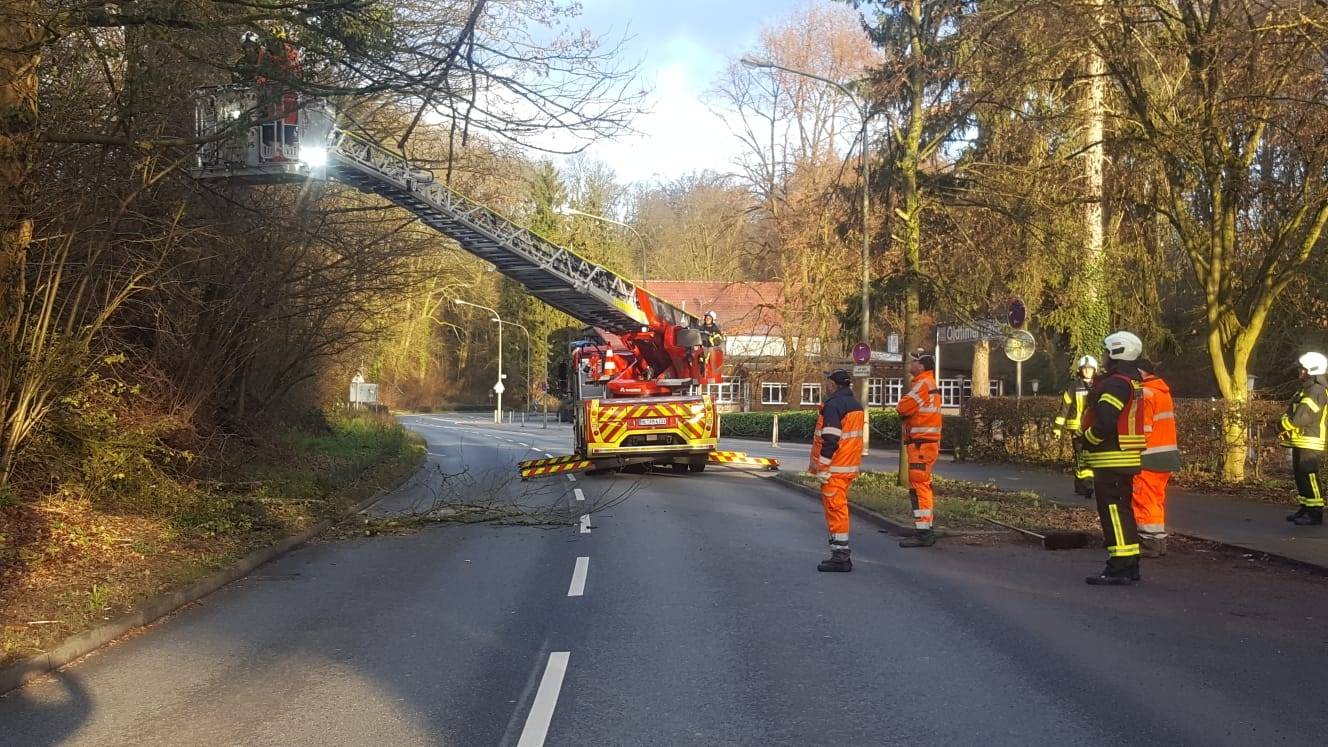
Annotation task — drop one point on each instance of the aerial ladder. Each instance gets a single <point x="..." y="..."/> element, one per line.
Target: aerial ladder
<point x="638" y="380"/>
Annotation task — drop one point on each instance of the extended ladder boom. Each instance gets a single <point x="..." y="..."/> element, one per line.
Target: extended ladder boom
<point x="582" y="289"/>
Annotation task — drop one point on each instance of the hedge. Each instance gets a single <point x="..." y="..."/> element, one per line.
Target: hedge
<point x="1008" y="430"/>
<point x="797" y="426"/>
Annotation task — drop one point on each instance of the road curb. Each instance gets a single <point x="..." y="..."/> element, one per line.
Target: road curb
<point x="79" y="645"/>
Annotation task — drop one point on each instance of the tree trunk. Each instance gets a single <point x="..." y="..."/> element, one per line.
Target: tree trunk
<point x="1093" y="317"/>
<point x="909" y="164"/>
<point x="982" y="368"/>
<point x="18" y="146"/>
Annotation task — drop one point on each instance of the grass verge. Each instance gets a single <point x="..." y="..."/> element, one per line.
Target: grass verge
<point x="69" y="560"/>
<point x="963" y="505"/>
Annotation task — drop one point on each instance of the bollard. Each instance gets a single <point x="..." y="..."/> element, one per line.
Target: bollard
<point x="774" y="432"/>
<point x="523" y="418"/>
<point x="546" y="416"/>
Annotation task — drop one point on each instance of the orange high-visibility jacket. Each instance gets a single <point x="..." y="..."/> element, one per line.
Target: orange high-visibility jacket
<point x="920" y="410"/>
<point x="1161" y="450"/>
<point x="837" y="442"/>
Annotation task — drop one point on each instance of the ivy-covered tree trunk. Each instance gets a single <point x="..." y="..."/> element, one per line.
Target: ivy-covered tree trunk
<point x="1088" y="293"/>
<point x="19" y="58"/>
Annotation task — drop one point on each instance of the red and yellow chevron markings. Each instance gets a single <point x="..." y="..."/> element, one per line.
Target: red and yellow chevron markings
<point x="739" y="459"/>
<point x="555" y="466"/>
<point x="609" y="422"/>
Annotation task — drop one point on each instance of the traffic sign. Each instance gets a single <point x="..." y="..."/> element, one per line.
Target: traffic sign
<point x="499" y="388"/>
<point x="861" y="353"/>
<point x="1017" y="313"/>
<point x="1020" y="345"/>
<point x="861" y="372"/>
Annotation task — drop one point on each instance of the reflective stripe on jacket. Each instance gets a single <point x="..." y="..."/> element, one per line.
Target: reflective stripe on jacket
<point x="1305" y="424"/>
<point x="1161" y="451"/>
<point x="1072" y="406"/>
<point x="920" y="410"/>
<point x="1113" y="421"/>
<point x="837" y="441"/>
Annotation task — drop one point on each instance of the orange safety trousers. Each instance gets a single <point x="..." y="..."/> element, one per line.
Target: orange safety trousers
<point x="921" y="457"/>
<point x="834" y="499"/>
<point x="1150" y="503"/>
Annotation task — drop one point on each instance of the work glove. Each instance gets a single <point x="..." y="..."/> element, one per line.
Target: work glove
<point x="1056" y="433"/>
<point x="822" y="477"/>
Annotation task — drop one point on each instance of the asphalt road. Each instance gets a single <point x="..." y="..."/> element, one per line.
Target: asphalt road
<point x="692" y="613"/>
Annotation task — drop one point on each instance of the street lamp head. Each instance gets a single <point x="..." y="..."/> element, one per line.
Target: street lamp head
<point x="749" y="61"/>
<point x="564" y="210"/>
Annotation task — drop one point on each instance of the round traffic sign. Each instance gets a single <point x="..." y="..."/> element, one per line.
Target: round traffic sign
<point x="861" y="353"/>
<point x="1020" y="345"/>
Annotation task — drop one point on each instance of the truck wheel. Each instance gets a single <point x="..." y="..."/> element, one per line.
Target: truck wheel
<point x="680" y="467"/>
<point x="697" y="465"/>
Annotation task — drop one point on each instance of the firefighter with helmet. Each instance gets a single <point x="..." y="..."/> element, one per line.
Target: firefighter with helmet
<point x="711" y="337"/>
<point x="1305" y="431"/>
<point x="1113" y="438"/>
<point x="1071" y="419"/>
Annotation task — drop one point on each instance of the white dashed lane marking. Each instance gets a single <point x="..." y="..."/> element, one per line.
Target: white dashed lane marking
<point x="546" y="700"/>
<point x="578" y="587"/>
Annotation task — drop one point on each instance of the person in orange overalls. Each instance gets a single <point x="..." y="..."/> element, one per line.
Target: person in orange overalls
<point x="1161" y="457"/>
<point x="920" y="422"/>
<point x="835" y="461"/>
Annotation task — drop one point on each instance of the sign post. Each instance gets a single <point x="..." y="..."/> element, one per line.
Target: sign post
<point x="862" y="355"/>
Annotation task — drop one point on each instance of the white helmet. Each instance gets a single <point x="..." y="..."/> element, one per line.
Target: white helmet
<point x="1087" y="361"/>
<point x="1123" y="346"/>
<point x="1314" y="363"/>
<point x="712" y="315"/>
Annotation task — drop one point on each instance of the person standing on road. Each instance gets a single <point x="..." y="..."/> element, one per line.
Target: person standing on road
<point x="835" y="461"/>
<point x="1113" y="438"/>
<point x="1161" y="457"/>
<point x="920" y="428"/>
<point x="1071" y="419"/>
<point x="1305" y="431"/>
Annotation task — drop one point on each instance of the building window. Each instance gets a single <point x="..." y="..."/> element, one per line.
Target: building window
<point x="951" y="391"/>
<point x="811" y="394"/>
<point x="727" y="393"/>
<point x="884" y="392"/>
<point x="773" y="393"/>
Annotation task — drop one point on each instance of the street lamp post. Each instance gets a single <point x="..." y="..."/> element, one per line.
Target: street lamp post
<point x="497" y="388"/>
<point x="865" y="163"/>
<point x="522" y="327"/>
<point x="565" y="210"/>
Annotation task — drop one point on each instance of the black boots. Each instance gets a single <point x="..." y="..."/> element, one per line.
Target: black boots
<point x="1153" y="547"/>
<point x="1115" y="576"/>
<point x="838" y="562"/>
<point x="1312" y="517"/>
<point x="1299" y="513"/>
<point x="921" y="538"/>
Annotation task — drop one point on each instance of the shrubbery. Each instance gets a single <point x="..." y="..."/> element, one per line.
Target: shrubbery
<point x="1008" y="430"/>
<point x="797" y="426"/>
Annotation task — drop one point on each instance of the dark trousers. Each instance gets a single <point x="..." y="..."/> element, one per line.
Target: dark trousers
<point x="1115" y="507"/>
<point x="1305" y="466"/>
<point x="1083" y="474"/>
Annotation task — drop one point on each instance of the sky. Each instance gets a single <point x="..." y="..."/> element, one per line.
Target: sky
<point x="682" y="46"/>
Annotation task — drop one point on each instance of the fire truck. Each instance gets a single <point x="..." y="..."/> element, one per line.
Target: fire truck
<point x="640" y="376"/>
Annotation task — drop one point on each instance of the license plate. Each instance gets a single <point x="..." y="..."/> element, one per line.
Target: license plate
<point x="652" y="421"/>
